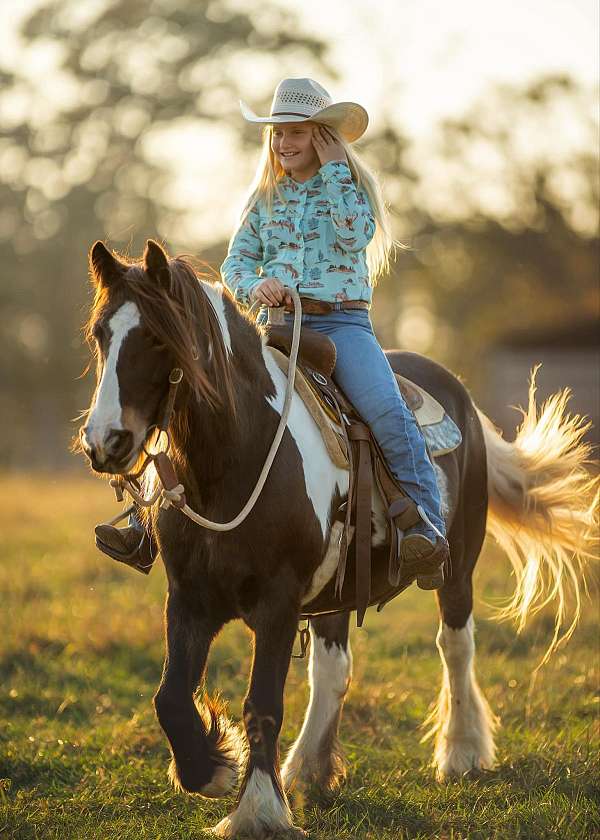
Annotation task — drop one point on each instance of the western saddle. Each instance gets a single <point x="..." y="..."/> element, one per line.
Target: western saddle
<point x="363" y="458"/>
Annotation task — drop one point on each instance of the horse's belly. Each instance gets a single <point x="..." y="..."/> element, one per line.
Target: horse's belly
<point x="327" y="601"/>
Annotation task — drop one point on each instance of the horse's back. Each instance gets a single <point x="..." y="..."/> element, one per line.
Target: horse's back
<point x="465" y="469"/>
<point x="435" y="379"/>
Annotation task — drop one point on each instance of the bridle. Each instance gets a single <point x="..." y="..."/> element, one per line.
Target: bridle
<point x="169" y="492"/>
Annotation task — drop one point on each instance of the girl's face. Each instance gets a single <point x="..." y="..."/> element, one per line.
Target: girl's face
<point x="292" y="146"/>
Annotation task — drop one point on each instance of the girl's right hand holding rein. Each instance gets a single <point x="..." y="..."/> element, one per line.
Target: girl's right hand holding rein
<point x="271" y="292"/>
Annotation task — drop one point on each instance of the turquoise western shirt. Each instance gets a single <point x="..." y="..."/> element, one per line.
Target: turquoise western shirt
<point x="314" y="239"/>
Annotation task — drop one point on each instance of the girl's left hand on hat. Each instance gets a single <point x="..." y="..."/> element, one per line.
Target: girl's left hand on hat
<point x="327" y="147"/>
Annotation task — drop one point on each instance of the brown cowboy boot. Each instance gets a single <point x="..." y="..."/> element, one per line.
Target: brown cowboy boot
<point x="131" y="545"/>
<point x="425" y="556"/>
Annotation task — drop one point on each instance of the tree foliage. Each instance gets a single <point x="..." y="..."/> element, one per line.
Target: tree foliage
<point x="74" y="170"/>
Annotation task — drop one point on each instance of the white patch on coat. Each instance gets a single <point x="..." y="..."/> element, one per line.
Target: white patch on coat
<point x="260" y="810"/>
<point x="463" y="722"/>
<point x="321" y="476"/>
<point x="215" y="295"/>
<point x="329" y="675"/>
<point x="329" y="564"/>
<point x="106" y="414"/>
<point x="379" y="533"/>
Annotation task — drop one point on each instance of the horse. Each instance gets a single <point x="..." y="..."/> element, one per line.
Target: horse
<point x="533" y="494"/>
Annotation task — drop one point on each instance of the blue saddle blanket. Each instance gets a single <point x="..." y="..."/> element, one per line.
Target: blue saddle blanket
<point x="442" y="437"/>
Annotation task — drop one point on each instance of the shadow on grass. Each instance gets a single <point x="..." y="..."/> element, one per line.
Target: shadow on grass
<point x="49" y="774"/>
<point x="538" y="773"/>
<point x="361" y="807"/>
<point x="44" y="673"/>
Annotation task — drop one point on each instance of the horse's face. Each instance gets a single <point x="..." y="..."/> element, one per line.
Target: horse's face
<point x="132" y="371"/>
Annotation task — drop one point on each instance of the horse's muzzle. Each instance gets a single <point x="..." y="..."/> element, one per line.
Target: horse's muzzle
<point x="113" y="454"/>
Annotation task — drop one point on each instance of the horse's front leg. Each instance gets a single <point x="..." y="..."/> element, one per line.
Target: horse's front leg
<point x="204" y="745"/>
<point x="262" y="807"/>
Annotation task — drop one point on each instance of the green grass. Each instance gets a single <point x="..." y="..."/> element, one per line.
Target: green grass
<point x="82" y="756"/>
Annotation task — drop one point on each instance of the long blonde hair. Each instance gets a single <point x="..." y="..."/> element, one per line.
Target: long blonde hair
<point x="269" y="173"/>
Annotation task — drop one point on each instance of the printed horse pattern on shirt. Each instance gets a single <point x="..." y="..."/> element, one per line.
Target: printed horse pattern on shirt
<point x="314" y="237"/>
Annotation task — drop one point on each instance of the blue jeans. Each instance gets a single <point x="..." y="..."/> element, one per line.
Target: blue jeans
<point x="364" y="374"/>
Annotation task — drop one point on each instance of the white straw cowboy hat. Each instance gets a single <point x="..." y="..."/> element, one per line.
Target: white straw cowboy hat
<point x="296" y="100"/>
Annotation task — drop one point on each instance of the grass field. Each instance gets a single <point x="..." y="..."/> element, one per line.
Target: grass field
<point x="82" y="755"/>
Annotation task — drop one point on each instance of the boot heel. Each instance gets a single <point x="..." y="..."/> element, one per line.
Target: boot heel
<point x="431" y="581"/>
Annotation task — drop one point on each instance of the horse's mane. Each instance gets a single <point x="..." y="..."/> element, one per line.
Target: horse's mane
<point x="178" y="318"/>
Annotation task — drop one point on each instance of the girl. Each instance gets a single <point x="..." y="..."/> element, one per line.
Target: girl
<point x="316" y="219"/>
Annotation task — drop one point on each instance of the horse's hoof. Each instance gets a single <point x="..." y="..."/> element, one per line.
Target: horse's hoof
<point x="227" y="831"/>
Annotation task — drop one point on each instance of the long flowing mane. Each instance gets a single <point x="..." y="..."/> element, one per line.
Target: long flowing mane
<point x="181" y="318"/>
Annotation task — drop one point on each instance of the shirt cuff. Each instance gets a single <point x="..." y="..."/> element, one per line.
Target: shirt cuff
<point x="242" y="293"/>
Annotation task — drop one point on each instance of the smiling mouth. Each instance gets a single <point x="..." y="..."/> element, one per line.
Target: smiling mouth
<point x="289" y="154"/>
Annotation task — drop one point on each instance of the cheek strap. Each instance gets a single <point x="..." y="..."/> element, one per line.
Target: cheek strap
<point x="175" y="378"/>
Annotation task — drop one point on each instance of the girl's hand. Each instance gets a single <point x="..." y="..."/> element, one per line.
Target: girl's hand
<point x="271" y="292"/>
<point x="327" y="146"/>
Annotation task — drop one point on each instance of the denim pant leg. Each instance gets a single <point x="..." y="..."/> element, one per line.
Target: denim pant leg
<point x="364" y="373"/>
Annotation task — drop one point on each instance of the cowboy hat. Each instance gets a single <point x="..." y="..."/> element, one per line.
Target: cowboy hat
<point x="297" y="100"/>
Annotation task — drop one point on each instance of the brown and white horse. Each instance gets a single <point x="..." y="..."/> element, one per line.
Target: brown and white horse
<point x="153" y="315"/>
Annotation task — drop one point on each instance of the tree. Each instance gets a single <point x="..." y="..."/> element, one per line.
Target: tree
<point x="505" y="237"/>
<point x="78" y="171"/>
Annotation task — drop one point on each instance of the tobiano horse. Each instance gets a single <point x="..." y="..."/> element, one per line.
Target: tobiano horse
<point x="534" y="495"/>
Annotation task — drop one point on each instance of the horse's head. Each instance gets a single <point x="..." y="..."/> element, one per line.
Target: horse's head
<point x="147" y="318"/>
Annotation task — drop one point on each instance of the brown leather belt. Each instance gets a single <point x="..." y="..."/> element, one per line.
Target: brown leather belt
<point x="310" y="306"/>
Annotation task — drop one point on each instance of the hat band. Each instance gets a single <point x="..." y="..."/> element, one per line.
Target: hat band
<point x="289" y="114"/>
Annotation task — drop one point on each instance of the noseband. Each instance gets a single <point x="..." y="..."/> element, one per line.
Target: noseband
<point x="161" y="460"/>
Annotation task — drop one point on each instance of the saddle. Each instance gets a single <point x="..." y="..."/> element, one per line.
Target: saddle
<point x="352" y="446"/>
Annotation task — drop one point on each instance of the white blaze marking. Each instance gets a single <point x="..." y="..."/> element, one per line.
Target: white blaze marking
<point x="329" y="674"/>
<point x="321" y="476"/>
<point x="106" y="414"/>
<point x="215" y="296"/>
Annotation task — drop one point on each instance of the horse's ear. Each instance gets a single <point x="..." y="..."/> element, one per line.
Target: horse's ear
<point x="105" y="268"/>
<point x="156" y="264"/>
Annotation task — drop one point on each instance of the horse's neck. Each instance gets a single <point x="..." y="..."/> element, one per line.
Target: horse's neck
<point x="215" y="444"/>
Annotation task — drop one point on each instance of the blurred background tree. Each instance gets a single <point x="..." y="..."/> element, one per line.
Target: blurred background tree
<point x="500" y="225"/>
<point x="78" y="172"/>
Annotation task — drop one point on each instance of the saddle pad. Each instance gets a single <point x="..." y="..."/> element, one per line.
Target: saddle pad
<point x="443" y="437"/>
<point x="439" y="429"/>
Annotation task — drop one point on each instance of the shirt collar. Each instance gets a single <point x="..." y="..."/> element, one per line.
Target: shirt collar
<point x="314" y="181"/>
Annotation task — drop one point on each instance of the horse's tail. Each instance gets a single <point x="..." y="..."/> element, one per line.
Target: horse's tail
<point x="543" y="506"/>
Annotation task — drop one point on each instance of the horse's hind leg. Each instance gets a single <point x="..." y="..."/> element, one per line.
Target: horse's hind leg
<point x="204" y="745"/>
<point x="316" y="754"/>
<point x="462" y="721"/>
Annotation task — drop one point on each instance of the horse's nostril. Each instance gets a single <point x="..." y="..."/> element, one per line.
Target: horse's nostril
<point x="119" y="443"/>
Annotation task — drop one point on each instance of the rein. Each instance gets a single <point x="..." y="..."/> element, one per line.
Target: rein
<point x="170" y="491"/>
